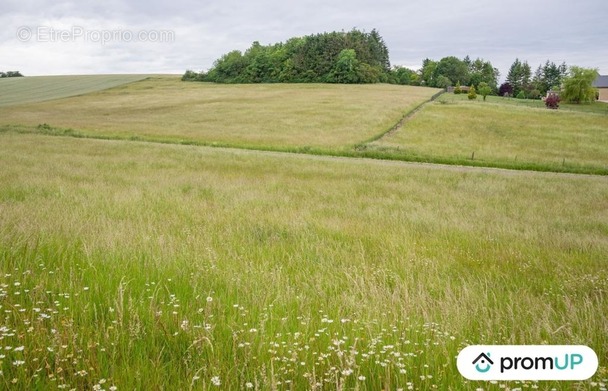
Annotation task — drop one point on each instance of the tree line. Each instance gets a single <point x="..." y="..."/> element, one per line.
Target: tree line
<point x="360" y="57"/>
<point x="336" y="57"/>
<point x="11" y="74"/>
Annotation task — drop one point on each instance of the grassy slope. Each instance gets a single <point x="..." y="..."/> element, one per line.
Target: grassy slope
<point x="275" y="115"/>
<point x="149" y="265"/>
<point x="505" y="132"/>
<point x="33" y="89"/>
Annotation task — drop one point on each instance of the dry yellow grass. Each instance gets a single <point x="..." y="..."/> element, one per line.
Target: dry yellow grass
<point x="275" y="115"/>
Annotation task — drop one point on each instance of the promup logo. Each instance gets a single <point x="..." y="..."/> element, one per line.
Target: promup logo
<point x="482" y="359"/>
<point x="527" y="362"/>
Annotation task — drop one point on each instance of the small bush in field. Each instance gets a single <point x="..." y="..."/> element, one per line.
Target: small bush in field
<point x="457" y="89"/>
<point x="472" y="93"/>
<point x="521" y="95"/>
<point x="534" y="94"/>
<point x="552" y="101"/>
<point x="505" y="89"/>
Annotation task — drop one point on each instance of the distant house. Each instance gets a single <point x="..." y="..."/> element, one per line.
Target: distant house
<point x="601" y="83"/>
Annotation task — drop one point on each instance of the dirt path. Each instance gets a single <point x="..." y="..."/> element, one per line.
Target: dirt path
<point x="408" y="116"/>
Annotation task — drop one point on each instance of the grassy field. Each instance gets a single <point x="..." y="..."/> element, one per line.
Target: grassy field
<point x="260" y="116"/>
<point x="148" y="266"/>
<point x="324" y="119"/>
<point x="504" y="133"/>
<point x="33" y="89"/>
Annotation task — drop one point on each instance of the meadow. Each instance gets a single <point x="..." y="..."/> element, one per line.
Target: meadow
<point x="133" y="265"/>
<point x="157" y="234"/>
<point x="508" y="133"/>
<point x="33" y="89"/>
<point x="262" y="116"/>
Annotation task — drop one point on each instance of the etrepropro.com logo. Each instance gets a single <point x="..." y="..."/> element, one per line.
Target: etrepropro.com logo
<point x="527" y="362"/>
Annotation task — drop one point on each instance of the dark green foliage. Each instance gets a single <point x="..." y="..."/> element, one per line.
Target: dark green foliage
<point x="190" y="75"/>
<point x="428" y="71"/>
<point x="443" y="82"/>
<point x="534" y="94"/>
<point x="11" y="74"/>
<point x="346" y="69"/>
<point x="404" y="76"/>
<point x="549" y="76"/>
<point x="453" y="69"/>
<point x="519" y="77"/>
<point x="337" y="57"/>
<point x="437" y="74"/>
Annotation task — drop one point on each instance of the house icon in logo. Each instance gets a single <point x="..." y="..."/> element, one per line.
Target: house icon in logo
<point x="485" y="360"/>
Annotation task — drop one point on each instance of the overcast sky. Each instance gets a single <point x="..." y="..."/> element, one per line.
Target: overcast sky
<point x="41" y="37"/>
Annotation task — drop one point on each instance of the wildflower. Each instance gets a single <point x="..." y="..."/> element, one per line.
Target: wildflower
<point x="113" y="388"/>
<point x="18" y="363"/>
<point x="362" y="378"/>
<point x="248" y="385"/>
<point x="19" y="349"/>
<point x="216" y="381"/>
<point x="209" y="299"/>
<point x="347" y="372"/>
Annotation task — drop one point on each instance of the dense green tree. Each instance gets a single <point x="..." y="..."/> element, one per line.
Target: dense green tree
<point x="578" y="85"/>
<point x="346" y="67"/>
<point x="402" y="75"/>
<point x="549" y="76"/>
<point x="452" y="68"/>
<point x="314" y="58"/>
<point x="483" y="72"/>
<point x="11" y="74"/>
<point x="519" y="76"/>
<point x="442" y="82"/>
<point x="427" y="72"/>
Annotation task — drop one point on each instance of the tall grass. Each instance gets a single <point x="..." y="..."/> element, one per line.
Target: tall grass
<point x="142" y="266"/>
<point x="255" y="115"/>
<point x="504" y="133"/>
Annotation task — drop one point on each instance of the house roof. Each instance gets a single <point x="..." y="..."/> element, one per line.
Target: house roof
<point x="601" y="81"/>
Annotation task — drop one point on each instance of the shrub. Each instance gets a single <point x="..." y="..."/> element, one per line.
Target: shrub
<point x="457" y="89"/>
<point x="534" y="94"/>
<point x="552" y="101"/>
<point x="472" y="93"/>
<point x="484" y="89"/>
<point x="506" y="89"/>
<point x="521" y="95"/>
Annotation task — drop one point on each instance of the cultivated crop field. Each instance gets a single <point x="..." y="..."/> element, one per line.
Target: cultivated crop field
<point x="127" y="264"/>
